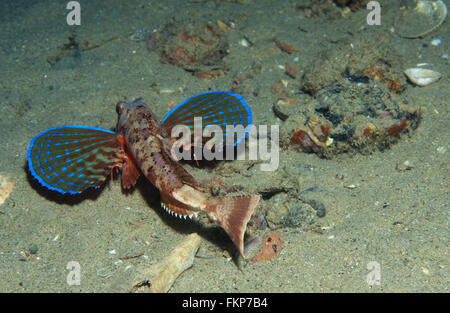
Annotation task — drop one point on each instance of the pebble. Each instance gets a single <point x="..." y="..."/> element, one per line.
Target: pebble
<point x="33" y="249"/>
<point x="404" y="166"/>
<point x="156" y="235"/>
<point x="350" y="186"/>
<point x="436" y="42"/>
<point x="318" y="206"/>
<point x="425" y="270"/>
<point x="138" y="35"/>
<point x="244" y="42"/>
<point x="441" y="149"/>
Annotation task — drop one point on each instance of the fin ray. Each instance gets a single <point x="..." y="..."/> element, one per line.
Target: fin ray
<point x="233" y="214"/>
<point x="72" y="158"/>
<point x="219" y="108"/>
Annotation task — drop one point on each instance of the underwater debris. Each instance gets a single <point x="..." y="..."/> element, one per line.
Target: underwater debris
<point x="6" y="187"/>
<point x="290" y="71"/>
<point x="151" y="41"/>
<point x="420" y="17"/>
<point x="285" y="47"/>
<point x="365" y="56"/>
<point x="223" y="26"/>
<point x="315" y="138"/>
<point x="330" y="9"/>
<point x="74" y="48"/>
<point x="209" y="75"/>
<point x="354" y="5"/>
<point x="270" y="248"/>
<point x="421" y="76"/>
<point x="257" y="222"/>
<point x="280" y="87"/>
<point x="283" y="107"/>
<point x="160" y="277"/>
<point x="196" y="46"/>
<point x="350" y="116"/>
<point x="287" y="211"/>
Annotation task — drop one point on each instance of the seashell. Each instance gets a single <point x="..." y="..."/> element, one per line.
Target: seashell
<point x="421" y="76"/>
<point x="244" y="42"/>
<point x="420" y="18"/>
<point x="222" y="25"/>
<point x="436" y="42"/>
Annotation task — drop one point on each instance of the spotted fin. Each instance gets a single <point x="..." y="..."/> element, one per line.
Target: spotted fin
<point x="71" y="159"/>
<point x="219" y="108"/>
<point x="130" y="172"/>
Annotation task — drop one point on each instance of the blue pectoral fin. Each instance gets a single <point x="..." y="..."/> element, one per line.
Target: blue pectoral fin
<point x="219" y="108"/>
<point x="71" y="159"/>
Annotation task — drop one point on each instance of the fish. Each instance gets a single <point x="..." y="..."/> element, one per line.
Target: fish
<point x="71" y="159"/>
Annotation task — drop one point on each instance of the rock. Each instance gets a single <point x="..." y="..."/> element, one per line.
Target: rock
<point x="287" y="212"/>
<point x="299" y="215"/>
<point x="33" y="249"/>
<point x="365" y="55"/>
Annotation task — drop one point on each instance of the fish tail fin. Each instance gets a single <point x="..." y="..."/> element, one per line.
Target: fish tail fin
<point x="233" y="214"/>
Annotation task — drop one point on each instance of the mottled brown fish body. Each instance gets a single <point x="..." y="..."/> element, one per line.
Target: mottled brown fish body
<point x="147" y="147"/>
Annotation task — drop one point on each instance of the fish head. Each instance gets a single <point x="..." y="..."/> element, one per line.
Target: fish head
<point x="136" y="112"/>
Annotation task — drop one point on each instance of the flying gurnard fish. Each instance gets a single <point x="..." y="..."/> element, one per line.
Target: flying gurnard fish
<point x="70" y="159"/>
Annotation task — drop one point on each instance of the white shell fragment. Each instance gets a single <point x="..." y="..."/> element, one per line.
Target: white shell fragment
<point x="436" y="42"/>
<point x="244" y="42"/>
<point x="420" y="17"/>
<point x="421" y="76"/>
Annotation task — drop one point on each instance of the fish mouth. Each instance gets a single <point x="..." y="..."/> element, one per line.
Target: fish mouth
<point x="122" y="105"/>
<point x="123" y="109"/>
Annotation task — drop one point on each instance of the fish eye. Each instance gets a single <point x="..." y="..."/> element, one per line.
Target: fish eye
<point x="119" y="106"/>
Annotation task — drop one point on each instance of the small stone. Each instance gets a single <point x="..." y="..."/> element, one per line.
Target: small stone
<point x="276" y="215"/>
<point x="350" y="186"/>
<point x="404" y="166"/>
<point x="318" y="206"/>
<point x="284" y="107"/>
<point x="156" y="235"/>
<point x="33" y="249"/>
<point x="441" y="149"/>
<point x="425" y="270"/>
<point x="436" y="42"/>
<point x="299" y="215"/>
<point x="244" y="42"/>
